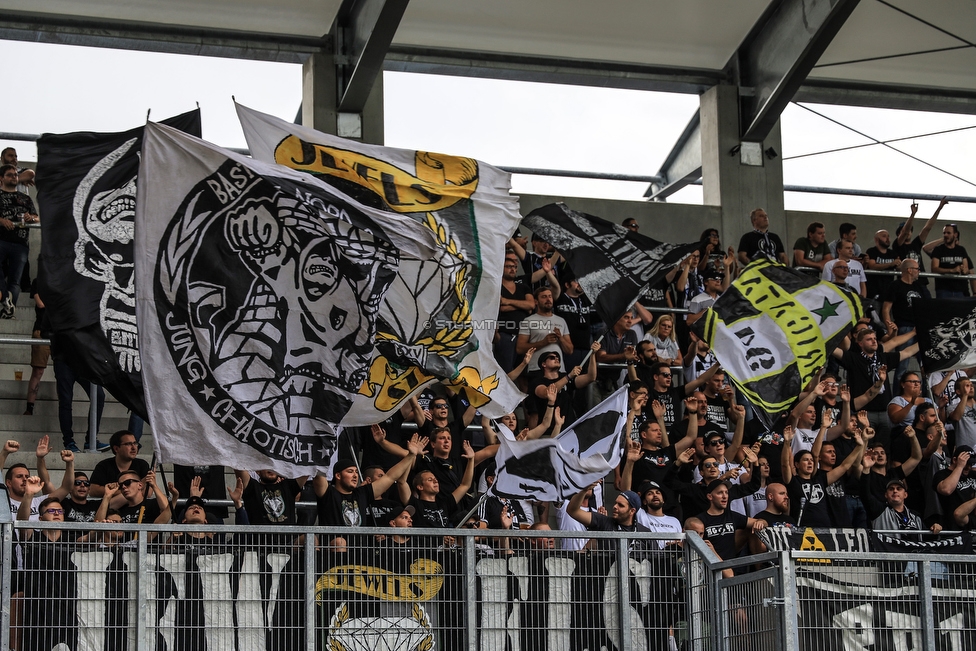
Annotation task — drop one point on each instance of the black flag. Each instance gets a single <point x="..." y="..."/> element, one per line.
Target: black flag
<point x="946" y="331"/>
<point x="612" y="264"/>
<point x="86" y="185"/>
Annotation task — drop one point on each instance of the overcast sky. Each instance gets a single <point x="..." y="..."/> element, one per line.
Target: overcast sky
<point x="504" y="123"/>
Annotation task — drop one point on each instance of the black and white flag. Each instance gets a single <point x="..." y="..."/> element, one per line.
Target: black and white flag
<point x="553" y="469"/>
<point x="946" y="330"/>
<point x="86" y="186"/>
<point x="257" y="290"/>
<point x="612" y="264"/>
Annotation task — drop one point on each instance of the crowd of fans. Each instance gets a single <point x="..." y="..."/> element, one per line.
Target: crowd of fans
<point x="872" y="442"/>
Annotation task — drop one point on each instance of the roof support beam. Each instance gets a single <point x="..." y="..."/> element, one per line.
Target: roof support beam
<point x="363" y="32"/>
<point x="778" y="54"/>
<point x="552" y="70"/>
<point x="683" y="165"/>
<point x="153" y="37"/>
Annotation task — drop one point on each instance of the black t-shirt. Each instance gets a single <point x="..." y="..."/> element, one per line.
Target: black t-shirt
<point x="859" y="375"/>
<point x="373" y="454"/>
<point x="652" y="466"/>
<point x="211" y="479"/>
<point x="949" y="258"/>
<point x="964" y="491"/>
<point x="346" y="510"/>
<point x="106" y="472"/>
<point x="458" y="405"/>
<point x="671" y="400"/>
<point x="13" y="206"/>
<point x="878" y="282"/>
<point x="901" y="295"/>
<point x="508" y="322"/>
<point x="145" y="513"/>
<point x="436" y="514"/>
<point x="565" y="399"/>
<point x="600" y="522"/>
<point x="717" y="413"/>
<point x="812" y="505"/>
<point x="756" y="244"/>
<point x="720" y="531"/>
<point x="78" y="513"/>
<point x="774" y="520"/>
<point x="448" y="471"/>
<point x="576" y="312"/>
<point x="490" y="512"/>
<point x="913" y="251"/>
<point x="269" y="504"/>
<point x="821" y="406"/>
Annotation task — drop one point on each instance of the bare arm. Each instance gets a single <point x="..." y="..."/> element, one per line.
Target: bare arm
<point x="415" y="446"/>
<point x="732" y="449"/>
<point x="575" y="508"/>
<point x="786" y="455"/>
<point x="835" y="474"/>
<point x="916" y="457"/>
<point x="69" y="475"/>
<point x="468" y="477"/>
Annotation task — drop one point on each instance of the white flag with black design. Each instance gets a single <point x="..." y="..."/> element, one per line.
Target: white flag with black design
<point x="613" y="264"/>
<point x="437" y="321"/>
<point x="558" y="468"/>
<point x="257" y="290"/>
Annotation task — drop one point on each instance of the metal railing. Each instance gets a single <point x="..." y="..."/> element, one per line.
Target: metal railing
<point x="139" y="587"/>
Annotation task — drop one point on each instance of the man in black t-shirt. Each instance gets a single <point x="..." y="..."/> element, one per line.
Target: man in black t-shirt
<point x="622" y="517"/>
<point x="343" y="502"/>
<point x="949" y="258"/>
<point x="760" y="243"/>
<point x="776" y="514"/>
<point x="125" y="450"/>
<point x="725" y="528"/>
<point x="880" y="257"/>
<point x="76" y="506"/>
<point x="576" y="310"/>
<point x="269" y="500"/>
<point x="955" y="484"/>
<point x="907" y="248"/>
<point x="138" y="509"/>
<point x="672" y="396"/>
<point x="515" y="304"/>
<point x="16" y="210"/>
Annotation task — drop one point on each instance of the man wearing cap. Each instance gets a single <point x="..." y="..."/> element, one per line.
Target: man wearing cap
<point x="652" y="515"/>
<point x="346" y="503"/>
<point x="713" y="289"/>
<point x="725" y="528"/>
<point x="543" y="330"/>
<point x="400" y="517"/>
<point x="623" y="516"/>
<point x="956" y="484"/>
<point x="567" y="384"/>
<point x="893" y="514"/>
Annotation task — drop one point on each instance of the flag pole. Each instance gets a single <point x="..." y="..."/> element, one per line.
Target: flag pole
<point x="481" y="500"/>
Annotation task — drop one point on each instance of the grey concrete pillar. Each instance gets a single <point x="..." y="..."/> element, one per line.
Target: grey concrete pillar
<point x="320" y="97"/>
<point x="737" y="176"/>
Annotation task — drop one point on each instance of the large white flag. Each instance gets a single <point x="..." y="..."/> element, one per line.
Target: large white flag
<point x="558" y="468"/>
<point x="257" y="291"/>
<point x="437" y="321"/>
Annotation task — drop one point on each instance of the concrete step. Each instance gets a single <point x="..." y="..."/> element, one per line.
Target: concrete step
<point x="49" y="424"/>
<point x="22" y="324"/>
<point x="18" y="354"/>
<point x="84" y="461"/>
<point x="10" y="371"/>
<point x="49" y="408"/>
<point x="11" y="389"/>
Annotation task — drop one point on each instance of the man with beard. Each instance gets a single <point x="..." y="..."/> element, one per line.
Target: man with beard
<point x="566" y="384"/>
<point x="576" y="309"/>
<point x="812" y="250"/>
<point x="949" y="258"/>
<point x="622" y="517"/>
<point x="652" y="515"/>
<point x="776" y="514"/>
<point x="543" y="330"/>
<point x="346" y="503"/>
<point x="76" y="506"/>
<point x="671" y="396"/>
<point x="641" y="367"/>
<point x="694" y="496"/>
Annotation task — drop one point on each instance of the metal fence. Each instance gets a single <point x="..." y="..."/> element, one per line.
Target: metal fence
<point x="128" y="587"/>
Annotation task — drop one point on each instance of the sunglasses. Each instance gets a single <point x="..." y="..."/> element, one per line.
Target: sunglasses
<point x="128" y="482"/>
<point x="55" y="511"/>
<point x="82" y="482"/>
<point x="710" y="465"/>
<point x="716" y="442"/>
<point x="665" y="374"/>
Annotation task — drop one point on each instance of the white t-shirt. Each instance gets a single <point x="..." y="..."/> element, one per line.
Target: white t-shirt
<point x="536" y="327"/>
<point x="854" y="278"/>
<point x="659" y="524"/>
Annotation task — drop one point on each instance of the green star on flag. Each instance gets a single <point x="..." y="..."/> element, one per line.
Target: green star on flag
<point x="827" y="310"/>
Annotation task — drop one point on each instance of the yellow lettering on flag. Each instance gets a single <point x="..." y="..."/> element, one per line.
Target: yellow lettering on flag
<point x="424" y="581"/>
<point x="440" y="180"/>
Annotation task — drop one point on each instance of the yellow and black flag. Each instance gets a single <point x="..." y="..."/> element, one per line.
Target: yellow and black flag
<point x="773" y="329"/>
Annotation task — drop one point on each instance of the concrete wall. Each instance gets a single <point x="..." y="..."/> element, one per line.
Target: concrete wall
<point x="672" y="222"/>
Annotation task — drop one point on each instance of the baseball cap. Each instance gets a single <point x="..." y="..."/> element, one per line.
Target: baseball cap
<point x="713" y="273"/>
<point x="395" y="513"/>
<point x="649" y="485"/>
<point x="962" y="448"/>
<point x="632" y="498"/>
<point x="718" y="482"/>
<point x="896" y="482"/>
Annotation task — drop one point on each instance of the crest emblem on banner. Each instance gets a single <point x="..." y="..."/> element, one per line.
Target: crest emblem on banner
<point x="278" y="332"/>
